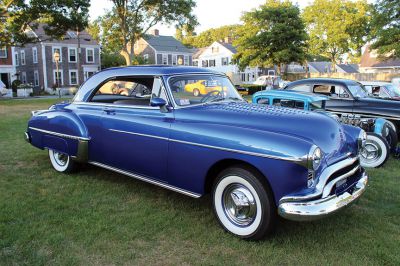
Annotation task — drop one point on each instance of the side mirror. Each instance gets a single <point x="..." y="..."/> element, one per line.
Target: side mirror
<point x="159" y="102"/>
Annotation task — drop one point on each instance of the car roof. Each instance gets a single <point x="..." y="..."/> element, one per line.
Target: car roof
<point x="303" y="96"/>
<point x="379" y="83"/>
<point x="158" y="70"/>
<point x="324" y="80"/>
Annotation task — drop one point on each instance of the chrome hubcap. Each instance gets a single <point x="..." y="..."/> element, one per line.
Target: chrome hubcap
<point x="61" y="159"/>
<point x="239" y="204"/>
<point x="371" y="151"/>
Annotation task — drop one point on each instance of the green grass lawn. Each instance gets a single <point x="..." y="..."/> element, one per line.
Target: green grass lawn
<point x="103" y="218"/>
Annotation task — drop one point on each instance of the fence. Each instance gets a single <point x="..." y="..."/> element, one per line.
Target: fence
<point x="355" y="76"/>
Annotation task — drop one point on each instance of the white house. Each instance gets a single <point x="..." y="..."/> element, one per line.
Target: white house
<point x="218" y="57"/>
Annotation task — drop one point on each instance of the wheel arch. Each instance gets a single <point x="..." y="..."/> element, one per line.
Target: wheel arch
<point x="223" y="164"/>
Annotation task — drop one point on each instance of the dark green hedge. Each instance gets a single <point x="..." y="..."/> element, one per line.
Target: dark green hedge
<point x="253" y="88"/>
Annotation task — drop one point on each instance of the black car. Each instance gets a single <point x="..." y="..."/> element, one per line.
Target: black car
<point x="349" y="97"/>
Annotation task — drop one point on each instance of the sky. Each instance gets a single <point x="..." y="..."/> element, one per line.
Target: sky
<point x="210" y="13"/>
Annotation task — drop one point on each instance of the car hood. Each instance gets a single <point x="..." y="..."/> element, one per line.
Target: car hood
<point x="334" y="139"/>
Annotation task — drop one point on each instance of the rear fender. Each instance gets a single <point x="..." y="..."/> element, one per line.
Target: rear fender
<point x="59" y="130"/>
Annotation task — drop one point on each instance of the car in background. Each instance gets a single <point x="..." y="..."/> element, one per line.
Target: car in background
<point x="270" y="81"/>
<point x="349" y="97"/>
<point x="383" y="90"/>
<point x="256" y="161"/>
<point x="202" y="87"/>
<point x="376" y="150"/>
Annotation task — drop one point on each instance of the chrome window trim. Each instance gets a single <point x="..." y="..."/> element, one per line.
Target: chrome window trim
<point x="148" y="180"/>
<point x="59" y="134"/>
<point x="292" y="159"/>
<point x="117" y="105"/>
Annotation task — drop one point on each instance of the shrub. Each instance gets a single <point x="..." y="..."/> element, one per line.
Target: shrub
<point x="253" y="88"/>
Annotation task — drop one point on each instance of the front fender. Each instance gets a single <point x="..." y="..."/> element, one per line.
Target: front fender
<point x="59" y="130"/>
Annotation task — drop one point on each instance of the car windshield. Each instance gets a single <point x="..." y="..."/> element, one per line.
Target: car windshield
<point x="317" y="105"/>
<point x="198" y="89"/>
<point x="393" y="90"/>
<point x="358" y="91"/>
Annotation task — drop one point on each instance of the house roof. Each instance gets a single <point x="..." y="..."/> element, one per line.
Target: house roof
<point x="229" y="46"/>
<point x="69" y="37"/>
<point x="347" y="68"/>
<point x="166" y="44"/>
<point x="321" y="67"/>
<point x="370" y="59"/>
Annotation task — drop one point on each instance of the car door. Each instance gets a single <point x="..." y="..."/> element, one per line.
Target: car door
<point x="340" y="99"/>
<point x="135" y="135"/>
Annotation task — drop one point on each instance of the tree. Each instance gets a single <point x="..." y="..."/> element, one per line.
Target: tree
<point x="385" y="32"/>
<point x="130" y="20"/>
<point x="273" y="34"/>
<point x="60" y="16"/>
<point x="337" y="27"/>
<point x="206" y="38"/>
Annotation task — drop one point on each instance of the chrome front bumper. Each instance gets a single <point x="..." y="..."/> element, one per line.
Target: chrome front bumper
<point x="322" y="204"/>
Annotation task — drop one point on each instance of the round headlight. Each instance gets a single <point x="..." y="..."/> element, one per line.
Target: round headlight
<point x="314" y="158"/>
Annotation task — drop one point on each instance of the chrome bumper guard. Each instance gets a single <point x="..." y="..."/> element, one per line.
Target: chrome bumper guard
<point x="323" y="202"/>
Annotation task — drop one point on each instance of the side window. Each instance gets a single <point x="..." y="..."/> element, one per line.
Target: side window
<point x="322" y="89"/>
<point x="288" y="103"/>
<point x="302" y="88"/>
<point x="125" y="91"/>
<point x="339" y="92"/>
<point x="263" y="101"/>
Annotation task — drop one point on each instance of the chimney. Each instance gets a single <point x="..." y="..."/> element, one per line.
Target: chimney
<point x="228" y="40"/>
<point x="155" y="32"/>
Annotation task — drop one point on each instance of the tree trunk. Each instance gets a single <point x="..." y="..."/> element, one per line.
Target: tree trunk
<point x="128" y="57"/>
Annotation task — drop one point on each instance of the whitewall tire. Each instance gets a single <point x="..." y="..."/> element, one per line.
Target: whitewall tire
<point x="243" y="204"/>
<point x="61" y="162"/>
<point x="375" y="152"/>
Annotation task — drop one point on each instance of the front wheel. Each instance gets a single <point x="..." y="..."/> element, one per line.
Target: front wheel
<point x="243" y="205"/>
<point x="61" y="162"/>
<point x="375" y="152"/>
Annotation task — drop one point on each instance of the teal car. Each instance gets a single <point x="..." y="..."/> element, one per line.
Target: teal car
<point x="376" y="151"/>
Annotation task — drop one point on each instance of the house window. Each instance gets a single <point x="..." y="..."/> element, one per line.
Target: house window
<point x="16" y="59"/>
<point x="90" y="55"/>
<point x="174" y="59"/>
<point x="215" y="50"/>
<point x="224" y="61"/>
<point x="88" y="74"/>
<point x="195" y="63"/>
<point x="72" y="55"/>
<point x="36" y="78"/>
<point x="23" y="77"/>
<point x="204" y="63"/>
<point x="22" y="57"/>
<point x="73" y="77"/>
<point x="243" y="77"/>
<point x="34" y="55"/>
<point x="57" y="49"/>
<point x="186" y="60"/>
<point x="164" y="59"/>
<point x="211" y="63"/>
<point x="58" y="77"/>
<point x="3" y="52"/>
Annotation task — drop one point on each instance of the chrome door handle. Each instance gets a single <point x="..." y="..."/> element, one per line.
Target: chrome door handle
<point x="109" y="111"/>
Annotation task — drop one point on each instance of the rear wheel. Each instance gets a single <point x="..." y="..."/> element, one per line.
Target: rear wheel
<point x="61" y="162"/>
<point x="243" y="205"/>
<point x="375" y="152"/>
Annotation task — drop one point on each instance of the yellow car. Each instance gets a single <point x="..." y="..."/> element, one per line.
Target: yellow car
<point x="201" y="88"/>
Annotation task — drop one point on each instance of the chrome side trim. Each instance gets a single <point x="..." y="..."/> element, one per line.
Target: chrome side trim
<point x="316" y="209"/>
<point x="323" y="178"/>
<point x="59" y="134"/>
<point x="148" y="180"/>
<point x="114" y="106"/>
<point x="292" y="159"/>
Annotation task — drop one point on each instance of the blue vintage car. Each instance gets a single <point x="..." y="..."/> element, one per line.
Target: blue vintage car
<point x="376" y="150"/>
<point x="257" y="161"/>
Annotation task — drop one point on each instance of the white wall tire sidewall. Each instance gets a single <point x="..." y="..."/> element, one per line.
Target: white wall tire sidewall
<point x="383" y="156"/>
<point x="55" y="165"/>
<point x="219" y="209"/>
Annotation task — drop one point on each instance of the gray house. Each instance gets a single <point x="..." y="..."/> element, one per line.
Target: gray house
<point x="163" y="50"/>
<point x="35" y="62"/>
